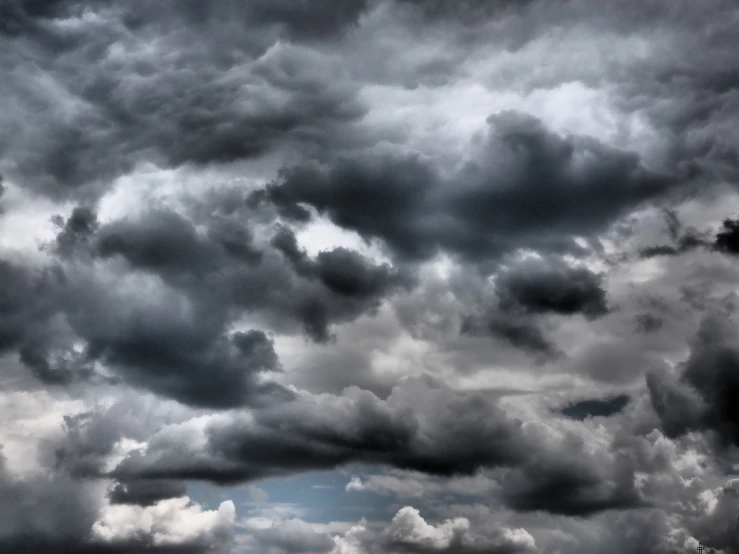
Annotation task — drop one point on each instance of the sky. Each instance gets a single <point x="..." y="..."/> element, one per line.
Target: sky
<point x="369" y="276"/>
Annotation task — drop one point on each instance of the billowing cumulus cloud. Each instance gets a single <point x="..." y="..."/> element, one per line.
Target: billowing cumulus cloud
<point x="158" y="81"/>
<point x="558" y="289"/>
<point x="456" y="433"/>
<point x="368" y="276"/>
<point x="409" y="532"/>
<point x="59" y="513"/>
<point x="525" y="187"/>
<point x="701" y="397"/>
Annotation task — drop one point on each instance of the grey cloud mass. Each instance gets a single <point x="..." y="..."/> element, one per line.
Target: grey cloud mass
<point x="125" y="106"/>
<point x="527" y="187"/>
<point x="456" y="433"/>
<point x="705" y="387"/>
<point x="465" y="271"/>
<point x="552" y="288"/>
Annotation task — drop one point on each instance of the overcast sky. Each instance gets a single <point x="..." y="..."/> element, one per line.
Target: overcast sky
<point x="369" y="276"/>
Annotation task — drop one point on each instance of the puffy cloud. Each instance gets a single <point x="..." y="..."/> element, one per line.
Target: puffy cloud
<point x="168" y="524"/>
<point x="151" y="92"/>
<point x="701" y="398"/>
<point x="408" y="531"/>
<point x="526" y="187"/>
<point x="51" y="510"/>
<point x="717" y="529"/>
<point x="551" y="287"/>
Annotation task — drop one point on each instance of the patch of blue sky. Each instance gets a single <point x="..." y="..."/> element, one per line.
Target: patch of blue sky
<point x="316" y="497"/>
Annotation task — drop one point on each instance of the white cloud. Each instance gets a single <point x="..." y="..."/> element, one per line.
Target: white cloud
<point x="355" y="484"/>
<point x="408" y="529"/>
<point x="172" y="522"/>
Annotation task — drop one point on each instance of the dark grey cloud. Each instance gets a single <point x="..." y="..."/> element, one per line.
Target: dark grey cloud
<point x="727" y="239"/>
<point x="53" y="512"/>
<point x="456" y="433"/>
<point x="532" y="288"/>
<point x="46" y="513"/>
<point x="338" y="285"/>
<point x="211" y="268"/>
<point x="90" y="437"/>
<point x="527" y="187"/>
<point x="613" y="361"/>
<point x="679" y="408"/>
<point x="468" y="10"/>
<point x="712" y="370"/>
<point x="422" y="426"/>
<point x="648" y="323"/>
<point x="342" y="271"/>
<point x="200" y="96"/>
<point x="193" y="303"/>
<point x="683" y="240"/>
<point x="59" y="367"/>
<point x="195" y="365"/>
<point x="569" y="483"/>
<point x="552" y="287"/>
<point x="701" y="397"/>
<point x="59" y="545"/>
<point x="191" y="356"/>
<point x="520" y="332"/>
<point x="305" y="19"/>
<point x="146" y="492"/>
<point x="685" y="243"/>
<point x="21" y="302"/>
<point x="161" y="241"/>
<point x="349" y="274"/>
<point x="75" y="230"/>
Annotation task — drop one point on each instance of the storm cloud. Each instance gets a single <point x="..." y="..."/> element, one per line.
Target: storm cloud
<point x="479" y="256"/>
<point x="526" y="187"/>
